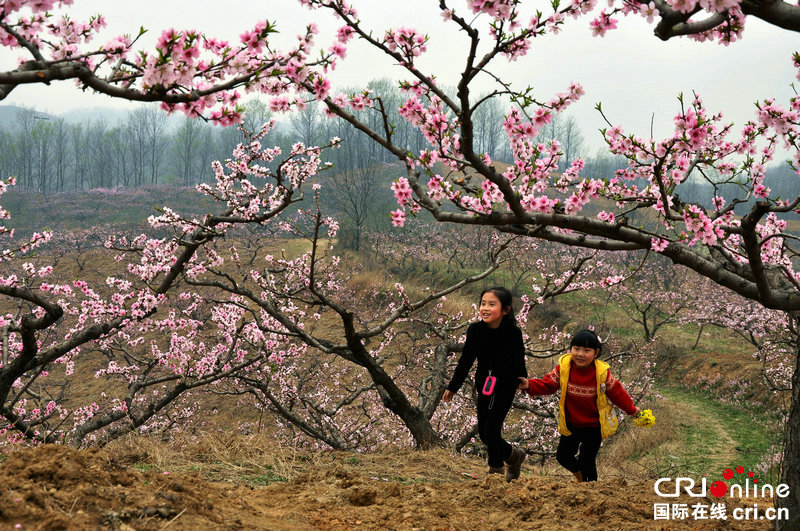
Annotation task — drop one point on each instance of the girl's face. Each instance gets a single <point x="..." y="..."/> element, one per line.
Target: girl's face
<point x="492" y="311"/>
<point x="583" y="356"/>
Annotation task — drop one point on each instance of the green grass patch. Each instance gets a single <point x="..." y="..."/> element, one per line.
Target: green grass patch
<point x="263" y="480"/>
<point x="717" y="435"/>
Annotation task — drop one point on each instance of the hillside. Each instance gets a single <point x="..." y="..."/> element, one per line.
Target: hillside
<point x="99" y="208"/>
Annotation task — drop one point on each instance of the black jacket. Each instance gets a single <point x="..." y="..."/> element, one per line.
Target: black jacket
<point x="498" y="350"/>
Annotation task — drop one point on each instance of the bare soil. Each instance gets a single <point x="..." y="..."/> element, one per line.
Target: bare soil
<point x="55" y="487"/>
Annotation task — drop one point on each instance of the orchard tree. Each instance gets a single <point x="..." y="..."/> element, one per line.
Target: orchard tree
<point x="771" y="332"/>
<point x="724" y="20"/>
<point x="371" y="349"/>
<point x="187" y="72"/>
<point x="339" y="394"/>
<point x="151" y="342"/>
<point x="656" y="296"/>
<point x="77" y="246"/>
<point x="420" y="246"/>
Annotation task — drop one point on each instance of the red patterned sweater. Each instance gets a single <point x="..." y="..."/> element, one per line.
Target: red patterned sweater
<point x="581" y="400"/>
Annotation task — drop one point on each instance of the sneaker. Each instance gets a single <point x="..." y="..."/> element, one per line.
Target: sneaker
<point x="496" y="469"/>
<point x="515" y="463"/>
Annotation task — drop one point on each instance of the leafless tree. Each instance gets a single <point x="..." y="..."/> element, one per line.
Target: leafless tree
<point x="353" y="193"/>
<point x="306" y="123"/>
<point x="185" y="146"/>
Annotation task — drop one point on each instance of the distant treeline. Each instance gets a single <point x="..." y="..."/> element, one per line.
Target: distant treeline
<point x="48" y="154"/>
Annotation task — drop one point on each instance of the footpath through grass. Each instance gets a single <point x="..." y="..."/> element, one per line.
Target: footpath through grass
<point x="716" y="436"/>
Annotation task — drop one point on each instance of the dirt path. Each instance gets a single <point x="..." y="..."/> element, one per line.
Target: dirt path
<point x="54" y="487"/>
<point x="707" y="444"/>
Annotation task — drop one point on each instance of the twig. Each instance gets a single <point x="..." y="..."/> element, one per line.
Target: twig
<point x="176" y="517"/>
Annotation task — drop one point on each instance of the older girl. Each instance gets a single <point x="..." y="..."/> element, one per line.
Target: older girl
<point x="496" y="342"/>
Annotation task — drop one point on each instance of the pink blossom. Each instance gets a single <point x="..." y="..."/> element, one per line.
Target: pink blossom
<point x="407" y="41"/>
<point x="338" y="49"/>
<point x="398" y="218"/>
<point x="542" y="117"/>
<point x="684" y="6"/>
<point x="280" y="104"/>
<point x="602" y="24"/>
<point x="658" y="244"/>
<point x="496" y="8"/>
<point x="344" y="34"/>
<point x="608" y="217"/>
<point x="321" y="88"/>
<point x="649" y="11"/>
<point x="402" y="191"/>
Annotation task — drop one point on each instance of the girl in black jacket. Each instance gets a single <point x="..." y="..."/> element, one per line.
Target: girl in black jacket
<point x="496" y="341"/>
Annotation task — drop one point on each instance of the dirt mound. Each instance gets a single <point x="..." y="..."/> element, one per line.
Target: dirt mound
<point x="53" y="487"/>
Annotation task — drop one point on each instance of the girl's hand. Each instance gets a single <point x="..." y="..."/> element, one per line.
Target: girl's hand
<point x="523" y="383"/>
<point x="638" y="410"/>
<point x="448" y="395"/>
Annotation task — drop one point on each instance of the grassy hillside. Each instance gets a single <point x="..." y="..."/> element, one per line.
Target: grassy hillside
<point x="34" y="211"/>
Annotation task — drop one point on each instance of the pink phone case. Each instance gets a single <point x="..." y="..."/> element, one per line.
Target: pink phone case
<point x="488" y="386"/>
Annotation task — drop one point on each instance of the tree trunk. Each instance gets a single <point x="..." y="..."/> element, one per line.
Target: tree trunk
<point x="791" y="451"/>
<point x="418" y="424"/>
<point x="425" y="437"/>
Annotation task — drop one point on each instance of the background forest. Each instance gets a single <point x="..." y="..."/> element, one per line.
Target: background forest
<point x="147" y="147"/>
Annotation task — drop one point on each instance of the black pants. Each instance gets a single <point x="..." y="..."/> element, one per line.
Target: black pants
<point x="585" y="442"/>
<point x="491" y="415"/>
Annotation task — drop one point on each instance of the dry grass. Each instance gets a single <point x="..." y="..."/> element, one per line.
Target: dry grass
<point x="366" y="279"/>
<point x="218" y="456"/>
<point x="260" y="460"/>
<point x="639" y="452"/>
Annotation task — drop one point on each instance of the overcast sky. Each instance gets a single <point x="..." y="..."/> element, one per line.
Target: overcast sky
<point x="634" y="75"/>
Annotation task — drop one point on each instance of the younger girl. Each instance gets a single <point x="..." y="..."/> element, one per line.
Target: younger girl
<point x="585" y="416"/>
<point x="496" y="341"/>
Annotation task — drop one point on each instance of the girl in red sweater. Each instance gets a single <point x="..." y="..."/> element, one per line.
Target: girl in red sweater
<point x="585" y="415"/>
